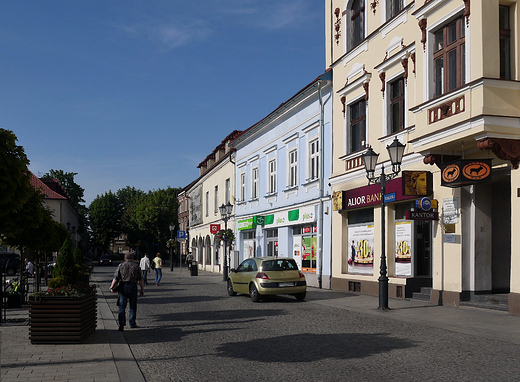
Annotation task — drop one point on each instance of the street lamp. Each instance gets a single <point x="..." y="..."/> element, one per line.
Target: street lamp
<point x="172" y="228"/>
<point x="396" y="151"/>
<point x="225" y="214"/>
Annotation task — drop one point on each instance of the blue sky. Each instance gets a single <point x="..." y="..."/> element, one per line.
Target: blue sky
<point x="138" y="93"/>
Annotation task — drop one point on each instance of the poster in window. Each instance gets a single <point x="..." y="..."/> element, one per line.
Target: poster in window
<point x="308" y="250"/>
<point x="249" y="249"/>
<point x="403" y="248"/>
<point x="361" y="249"/>
<point x="297" y="250"/>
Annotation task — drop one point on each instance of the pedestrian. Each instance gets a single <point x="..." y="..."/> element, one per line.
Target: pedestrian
<point x="145" y="267"/>
<point x="158" y="269"/>
<point x="129" y="274"/>
<point x="29" y="268"/>
<point x="189" y="260"/>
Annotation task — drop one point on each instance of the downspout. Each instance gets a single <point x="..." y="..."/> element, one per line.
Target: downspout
<point x="320" y="213"/>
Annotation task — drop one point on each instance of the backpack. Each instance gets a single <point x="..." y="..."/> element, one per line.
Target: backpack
<point x="152" y="264"/>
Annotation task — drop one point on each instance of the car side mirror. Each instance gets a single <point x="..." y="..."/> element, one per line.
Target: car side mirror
<point x="232" y="270"/>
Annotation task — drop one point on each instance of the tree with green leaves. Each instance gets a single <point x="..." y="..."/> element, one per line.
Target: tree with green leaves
<point x="65" y="267"/>
<point x="105" y="215"/>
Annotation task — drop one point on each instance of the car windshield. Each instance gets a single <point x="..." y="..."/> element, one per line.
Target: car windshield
<point x="105" y="256"/>
<point x="279" y="265"/>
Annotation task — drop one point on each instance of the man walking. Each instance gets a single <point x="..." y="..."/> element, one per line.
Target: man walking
<point x="129" y="274"/>
<point x="145" y="267"/>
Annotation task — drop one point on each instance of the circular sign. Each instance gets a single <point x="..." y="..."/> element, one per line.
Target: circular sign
<point x="476" y="170"/>
<point x="450" y="173"/>
<point x="425" y="204"/>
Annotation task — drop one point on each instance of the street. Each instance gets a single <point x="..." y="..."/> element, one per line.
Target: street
<point x="190" y="330"/>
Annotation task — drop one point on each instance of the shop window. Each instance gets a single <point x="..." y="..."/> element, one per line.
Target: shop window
<point x="356" y="23"/>
<point x="449" y="57"/>
<point x="254" y="184"/>
<point x="309" y="248"/>
<point x="401" y="209"/>
<point x="505" y="42"/>
<point x="357" y="128"/>
<point x="397" y="109"/>
<point x="393" y="7"/>
<point x="314" y="159"/>
<point x="365" y="215"/>
<point x="293" y="168"/>
<point x="249" y="239"/>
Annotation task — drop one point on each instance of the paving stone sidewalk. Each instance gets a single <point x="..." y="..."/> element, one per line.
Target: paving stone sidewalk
<point x="103" y="357"/>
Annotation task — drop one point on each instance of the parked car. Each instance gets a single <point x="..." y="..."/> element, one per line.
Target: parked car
<point x="105" y="260"/>
<point x="10" y="263"/>
<point x="259" y="276"/>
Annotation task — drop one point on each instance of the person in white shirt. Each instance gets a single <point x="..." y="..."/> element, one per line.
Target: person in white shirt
<point x="145" y="267"/>
<point x="29" y="268"/>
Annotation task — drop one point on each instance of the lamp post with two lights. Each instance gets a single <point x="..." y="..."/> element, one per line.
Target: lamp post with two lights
<point x="395" y="151"/>
<point x="225" y="214"/>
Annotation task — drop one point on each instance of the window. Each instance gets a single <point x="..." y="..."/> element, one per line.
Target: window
<point x="397" y="111"/>
<point x="357" y="125"/>
<point x="242" y="186"/>
<point x="272" y="176"/>
<point x="293" y="168"/>
<point x="254" y="185"/>
<point x="393" y="7"/>
<point x="207" y="203"/>
<point x="314" y="159"/>
<point x="449" y="57"/>
<point x="357" y="23"/>
<point x="505" y="42"/>
<point x="216" y="200"/>
<point x="228" y="190"/>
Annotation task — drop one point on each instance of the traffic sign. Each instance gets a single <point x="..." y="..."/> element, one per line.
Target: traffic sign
<point x="181" y="235"/>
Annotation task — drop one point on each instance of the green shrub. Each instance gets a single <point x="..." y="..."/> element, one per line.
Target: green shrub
<point x="65" y="263"/>
<point x="79" y="259"/>
<point x="57" y="282"/>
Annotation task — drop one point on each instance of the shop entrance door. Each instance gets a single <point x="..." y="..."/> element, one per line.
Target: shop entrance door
<point x="423" y="248"/>
<point x="272" y="242"/>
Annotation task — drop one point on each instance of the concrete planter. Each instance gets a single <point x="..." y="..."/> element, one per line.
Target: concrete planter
<point x="60" y="319"/>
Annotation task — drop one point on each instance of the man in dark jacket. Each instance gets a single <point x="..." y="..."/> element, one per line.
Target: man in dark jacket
<point x="130" y="274"/>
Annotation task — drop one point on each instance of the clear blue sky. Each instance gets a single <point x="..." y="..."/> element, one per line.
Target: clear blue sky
<point x="138" y="93"/>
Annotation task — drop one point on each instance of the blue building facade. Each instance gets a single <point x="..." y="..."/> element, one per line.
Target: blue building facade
<point x="282" y="193"/>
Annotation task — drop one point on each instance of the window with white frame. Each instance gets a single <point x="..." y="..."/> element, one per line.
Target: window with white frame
<point x="228" y="190"/>
<point x="216" y="200"/>
<point x="272" y="176"/>
<point x="293" y="168"/>
<point x="254" y="183"/>
<point x="393" y="7"/>
<point x="242" y="186"/>
<point x="357" y="127"/>
<point x="314" y="159"/>
<point x="207" y="203"/>
<point x="356" y="23"/>
<point x="449" y="56"/>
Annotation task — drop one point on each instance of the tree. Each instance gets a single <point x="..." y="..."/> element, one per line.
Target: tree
<point x="65" y="263"/>
<point x="129" y="197"/>
<point x="105" y="218"/>
<point x="15" y="186"/>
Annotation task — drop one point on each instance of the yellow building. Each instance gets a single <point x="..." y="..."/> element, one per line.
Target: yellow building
<point x="441" y="76"/>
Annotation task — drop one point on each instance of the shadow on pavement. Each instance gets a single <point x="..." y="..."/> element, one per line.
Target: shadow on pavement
<point x="324" y="346"/>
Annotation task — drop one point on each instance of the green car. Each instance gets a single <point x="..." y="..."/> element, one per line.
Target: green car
<point x="259" y="276"/>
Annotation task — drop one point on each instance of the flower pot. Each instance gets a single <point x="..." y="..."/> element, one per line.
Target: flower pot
<point x="61" y="319"/>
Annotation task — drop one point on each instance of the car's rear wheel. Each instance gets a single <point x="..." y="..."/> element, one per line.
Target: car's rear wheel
<point x="230" y="290"/>
<point x="300" y="296"/>
<point x="253" y="293"/>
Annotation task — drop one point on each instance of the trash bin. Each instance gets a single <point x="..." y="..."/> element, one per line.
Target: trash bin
<point x="194" y="269"/>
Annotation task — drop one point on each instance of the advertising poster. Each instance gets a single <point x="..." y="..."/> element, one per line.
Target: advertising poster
<point x="309" y="245"/>
<point x="403" y="248"/>
<point x="297" y="250"/>
<point x="249" y="249"/>
<point x="361" y="249"/>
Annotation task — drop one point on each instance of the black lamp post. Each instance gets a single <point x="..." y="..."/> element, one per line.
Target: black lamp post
<point x="172" y="228"/>
<point x="225" y="214"/>
<point x="396" y="151"/>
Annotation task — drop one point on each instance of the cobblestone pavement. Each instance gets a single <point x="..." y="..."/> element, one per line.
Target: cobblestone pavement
<point x="190" y="330"/>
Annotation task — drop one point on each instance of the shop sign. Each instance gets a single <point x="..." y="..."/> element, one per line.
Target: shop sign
<point x="370" y="195"/>
<point x="390" y="197"/>
<point x="422" y="215"/>
<point x="245" y="224"/>
<point x="298" y="216"/>
<point x="214" y="228"/>
<point x="464" y="172"/>
<point x="259" y="220"/>
<point x="417" y="183"/>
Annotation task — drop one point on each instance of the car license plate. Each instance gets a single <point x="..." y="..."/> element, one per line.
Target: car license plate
<point x="281" y="285"/>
